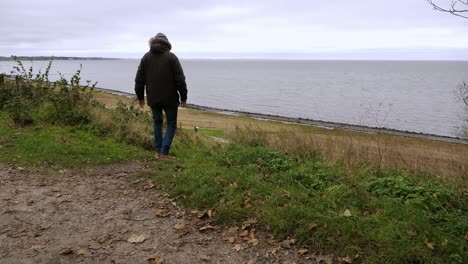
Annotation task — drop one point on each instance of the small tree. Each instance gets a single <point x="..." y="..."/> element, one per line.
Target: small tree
<point x="456" y="7"/>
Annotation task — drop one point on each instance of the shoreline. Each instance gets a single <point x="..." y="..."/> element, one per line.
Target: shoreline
<point x="312" y="122"/>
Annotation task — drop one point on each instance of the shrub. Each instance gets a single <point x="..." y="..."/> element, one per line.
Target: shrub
<point x="31" y="93"/>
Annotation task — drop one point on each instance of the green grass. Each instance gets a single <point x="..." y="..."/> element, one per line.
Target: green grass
<point x="393" y="215"/>
<point x="208" y="132"/>
<point x="61" y="145"/>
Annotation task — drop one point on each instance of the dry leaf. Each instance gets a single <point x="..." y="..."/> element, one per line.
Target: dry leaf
<point x="347" y="213"/>
<point x="134" y="239"/>
<point x="179" y="226"/>
<point x="82" y="252"/>
<point x="287" y="243"/>
<point x="66" y="251"/>
<point x="206" y="227"/>
<point x="244" y="233"/>
<point x="429" y="244"/>
<point x="233" y="230"/>
<point x="155" y="259"/>
<point x="253" y="241"/>
<point x="37" y="247"/>
<point x="445" y="243"/>
<point x="94" y="245"/>
<point x="163" y="212"/>
<point x="302" y="251"/>
<point x="346" y="260"/>
<point x="205" y="258"/>
<point x="249" y="223"/>
<point x="237" y="247"/>
<point x="312" y="226"/>
<point x="180" y="214"/>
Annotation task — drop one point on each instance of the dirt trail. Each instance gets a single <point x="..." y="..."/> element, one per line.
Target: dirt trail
<point x="107" y="215"/>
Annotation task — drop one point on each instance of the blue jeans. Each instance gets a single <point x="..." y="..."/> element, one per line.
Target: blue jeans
<point x="163" y="145"/>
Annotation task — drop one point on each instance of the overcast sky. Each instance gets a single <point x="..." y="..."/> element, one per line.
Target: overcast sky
<point x="326" y="29"/>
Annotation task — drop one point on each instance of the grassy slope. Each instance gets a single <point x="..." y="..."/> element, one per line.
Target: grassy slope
<point x="394" y="217"/>
<point x="61" y="146"/>
<point x="293" y="187"/>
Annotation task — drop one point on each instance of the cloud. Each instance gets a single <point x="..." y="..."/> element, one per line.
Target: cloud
<point x="122" y="28"/>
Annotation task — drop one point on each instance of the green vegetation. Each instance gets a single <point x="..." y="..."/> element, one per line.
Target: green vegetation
<point x="61" y="146"/>
<point x="57" y="123"/>
<point x="372" y="214"/>
<point x="386" y="218"/>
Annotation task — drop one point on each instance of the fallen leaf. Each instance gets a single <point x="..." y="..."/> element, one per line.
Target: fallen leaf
<point x="179" y="226"/>
<point x="206" y="227"/>
<point x="232" y="230"/>
<point x="302" y="251"/>
<point x="237" y="247"/>
<point x="180" y="214"/>
<point x="429" y="244"/>
<point x="231" y="239"/>
<point x="311" y="226"/>
<point x="445" y="243"/>
<point x="253" y="241"/>
<point x="66" y="251"/>
<point x="135" y="239"/>
<point x="347" y="213"/>
<point x="249" y="224"/>
<point x="244" y="233"/>
<point x="205" y="258"/>
<point x="37" y="247"/>
<point x="155" y="259"/>
<point x="81" y="252"/>
<point x="163" y="212"/>
<point x="286" y="194"/>
<point x="346" y="260"/>
<point x="466" y="236"/>
<point x="287" y="243"/>
<point x="94" y="245"/>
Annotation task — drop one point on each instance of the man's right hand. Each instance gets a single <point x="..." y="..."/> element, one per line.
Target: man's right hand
<point x="183" y="103"/>
<point x="141" y="103"/>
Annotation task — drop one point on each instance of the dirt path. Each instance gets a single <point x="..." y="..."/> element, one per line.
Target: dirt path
<point x="106" y="215"/>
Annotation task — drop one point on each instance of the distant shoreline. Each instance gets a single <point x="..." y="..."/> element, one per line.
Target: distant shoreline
<point x="47" y="58"/>
<point x="41" y="58"/>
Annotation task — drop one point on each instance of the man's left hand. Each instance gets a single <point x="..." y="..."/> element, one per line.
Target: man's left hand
<point x="141" y="103"/>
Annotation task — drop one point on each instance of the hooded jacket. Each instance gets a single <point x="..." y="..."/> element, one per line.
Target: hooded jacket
<point x="161" y="73"/>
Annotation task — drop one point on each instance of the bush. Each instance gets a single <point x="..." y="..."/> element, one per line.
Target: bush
<point x="64" y="102"/>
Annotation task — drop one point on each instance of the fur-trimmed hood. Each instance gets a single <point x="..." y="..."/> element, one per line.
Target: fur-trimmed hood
<point x="159" y="43"/>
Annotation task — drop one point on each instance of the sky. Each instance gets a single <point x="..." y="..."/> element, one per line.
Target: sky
<point x="276" y="29"/>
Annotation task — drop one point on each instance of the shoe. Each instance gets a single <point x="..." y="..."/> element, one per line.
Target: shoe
<point x="163" y="156"/>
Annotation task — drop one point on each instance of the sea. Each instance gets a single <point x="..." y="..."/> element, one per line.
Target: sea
<point x="415" y="96"/>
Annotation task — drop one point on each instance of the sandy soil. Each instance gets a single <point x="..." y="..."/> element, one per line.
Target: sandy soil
<point x="107" y="215"/>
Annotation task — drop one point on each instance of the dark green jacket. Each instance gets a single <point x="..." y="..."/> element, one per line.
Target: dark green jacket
<point x="161" y="74"/>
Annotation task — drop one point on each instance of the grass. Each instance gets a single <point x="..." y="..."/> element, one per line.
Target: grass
<point x="394" y="217"/>
<point x="62" y="146"/>
<point x="417" y="156"/>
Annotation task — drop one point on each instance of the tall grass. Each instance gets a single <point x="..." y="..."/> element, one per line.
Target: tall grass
<point x="442" y="160"/>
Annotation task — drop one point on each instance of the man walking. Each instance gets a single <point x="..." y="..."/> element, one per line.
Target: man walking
<point x="160" y="72"/>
